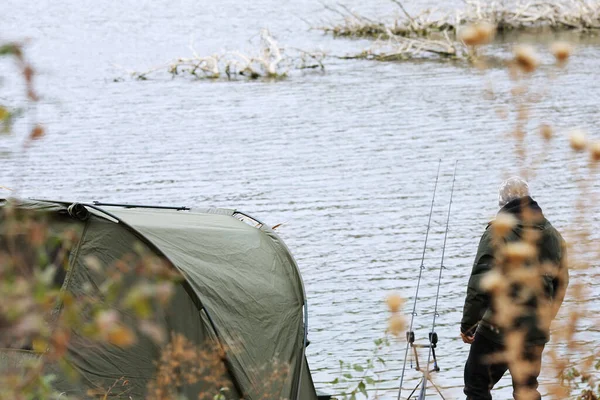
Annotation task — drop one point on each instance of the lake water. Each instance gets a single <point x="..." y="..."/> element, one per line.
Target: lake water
<point x="346" y="159"/>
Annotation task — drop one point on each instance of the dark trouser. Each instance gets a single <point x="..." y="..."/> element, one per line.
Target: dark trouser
<point x="481" y="375"/>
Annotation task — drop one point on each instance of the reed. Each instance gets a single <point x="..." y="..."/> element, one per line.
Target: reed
<point x="507" y="16"/>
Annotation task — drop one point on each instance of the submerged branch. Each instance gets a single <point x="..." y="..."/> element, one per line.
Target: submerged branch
<point x="270" y="61"/>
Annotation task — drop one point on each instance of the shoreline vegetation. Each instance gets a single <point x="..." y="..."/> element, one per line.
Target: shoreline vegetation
<point x="457" y="36"/>
<point x="551" y="15"/>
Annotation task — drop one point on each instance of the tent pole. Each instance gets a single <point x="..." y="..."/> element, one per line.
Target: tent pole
<point x="98" y="203"/>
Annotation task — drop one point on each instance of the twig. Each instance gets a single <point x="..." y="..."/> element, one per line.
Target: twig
<point x="404" y="10"/>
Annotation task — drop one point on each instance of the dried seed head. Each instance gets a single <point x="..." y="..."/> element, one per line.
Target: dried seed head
<point x="469" y="35"/>
<point x="503" y="224"/>
<point x="578" y="140"/>
<point x="93" y="263"/>
<point x="561" y="51"/>
<point x="394" y="302"/>
<point x="517" y="252"/>
<point x="526" y="58"/>
<point x="507" y="309"/>
<point x="396" y="324"/>
<point x="476" y="34"/>
<point x="121" y="336"/>
<point x="37" y="132"/>
<point x="546" y="131"/>
<point x="106" y="320"/>
<point x="494" y="282"/>
<point x="164" y="291"/>
<point x="595" y="150"/>
<point x="528" y="277"/>
<point x="486" y="31"/>
<point x="153" y="331"/>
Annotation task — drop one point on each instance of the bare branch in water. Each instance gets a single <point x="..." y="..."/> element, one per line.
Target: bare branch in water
<point x="269" y="61"/>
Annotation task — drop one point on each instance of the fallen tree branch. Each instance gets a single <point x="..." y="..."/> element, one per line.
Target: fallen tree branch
<point x="268" y="62"/>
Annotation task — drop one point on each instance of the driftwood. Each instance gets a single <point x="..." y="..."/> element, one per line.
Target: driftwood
<point x="396" y="47"/>
<point x="268" y="62"/>
<point x="520" y="15"/>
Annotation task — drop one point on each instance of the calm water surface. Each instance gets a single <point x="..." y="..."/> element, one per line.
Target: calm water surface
<point x="346" y="159"/>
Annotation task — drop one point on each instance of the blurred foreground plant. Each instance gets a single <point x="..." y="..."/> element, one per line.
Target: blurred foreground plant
<point x="519" y="263"/>
<point x="9" y="112"/>
<point x="117" y="307"/>
<point x="41" y="319"/>
<point x="357" y="379"/>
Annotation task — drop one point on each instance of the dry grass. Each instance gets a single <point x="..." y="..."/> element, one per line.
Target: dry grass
<point x="183" y="363"/>
<point x="356" y="25"/>
<point x="505" y="15"/>
<point x="458" y="35"/>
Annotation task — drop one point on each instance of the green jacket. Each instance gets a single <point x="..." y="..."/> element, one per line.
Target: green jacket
<point x="478" y="311"/>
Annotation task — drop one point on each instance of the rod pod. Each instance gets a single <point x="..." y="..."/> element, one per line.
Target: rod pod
<point x="432" y="336"/>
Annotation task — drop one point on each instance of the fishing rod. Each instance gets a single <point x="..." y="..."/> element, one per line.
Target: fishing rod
<point x="410" y="335"/>
<point x="433" y="338"/>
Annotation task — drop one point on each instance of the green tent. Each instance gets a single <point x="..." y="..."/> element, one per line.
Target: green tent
<point x="241" y="291"/>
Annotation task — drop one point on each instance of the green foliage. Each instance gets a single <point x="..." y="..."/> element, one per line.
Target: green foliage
<point x="10" y="49"/>
<point x="7" y="115"/>
<point x="40" y="317"/>
<point x="361" y="378"/>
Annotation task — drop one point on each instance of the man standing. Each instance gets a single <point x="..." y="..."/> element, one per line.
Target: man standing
<point x="517" y="285"/>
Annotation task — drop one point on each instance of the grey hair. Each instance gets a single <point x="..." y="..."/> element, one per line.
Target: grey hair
<point x="513" y="188"/>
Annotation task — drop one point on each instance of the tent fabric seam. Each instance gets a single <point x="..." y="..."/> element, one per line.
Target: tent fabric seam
<point x="67" y="281"/>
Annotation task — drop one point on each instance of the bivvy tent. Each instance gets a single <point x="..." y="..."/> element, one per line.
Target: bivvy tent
<point x="241" y="290"/>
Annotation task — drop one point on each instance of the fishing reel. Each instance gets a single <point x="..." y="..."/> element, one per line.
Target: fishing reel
<point x="433" y="339"/>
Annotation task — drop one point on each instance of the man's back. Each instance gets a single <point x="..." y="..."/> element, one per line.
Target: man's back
<point x="517" y="285"/>
<point x="530" y="255"/>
